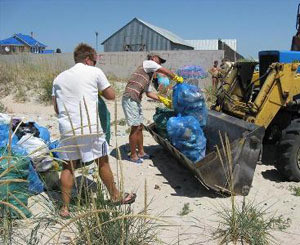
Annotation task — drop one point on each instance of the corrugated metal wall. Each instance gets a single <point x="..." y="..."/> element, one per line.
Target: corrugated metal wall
<point x="138" y="37"/>
<point x="204" y="44"/>
<point x="212" y="44"/>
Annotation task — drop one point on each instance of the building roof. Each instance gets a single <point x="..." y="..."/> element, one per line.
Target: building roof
<point x="20" y="40"/>
<point x="29" y="40"/>
<point x="165" y="33"/>
<point x="11" y="41"/>
<point x="212" y="44"/>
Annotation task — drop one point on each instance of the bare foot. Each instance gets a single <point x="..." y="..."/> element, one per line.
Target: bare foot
<point x="64" y="212"/>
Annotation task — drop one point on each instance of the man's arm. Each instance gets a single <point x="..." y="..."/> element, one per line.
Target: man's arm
<point x="170" y="74"/>
<point x="152" y="95"/>
<point x="108" y="93"/>
<point x="54" y="104"/>
<point x="166" y="72"/>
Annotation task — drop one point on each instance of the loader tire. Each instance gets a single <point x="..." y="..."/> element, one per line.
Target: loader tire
<point x="288" y="159"/>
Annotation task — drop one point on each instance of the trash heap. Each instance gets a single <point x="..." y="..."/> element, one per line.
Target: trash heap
<point x="24" y="151"/>
<point x="185" y="129"/>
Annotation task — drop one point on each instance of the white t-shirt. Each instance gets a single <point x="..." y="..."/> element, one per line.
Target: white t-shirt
<point x="149" y="67"/>
<point x="69" y="88"/>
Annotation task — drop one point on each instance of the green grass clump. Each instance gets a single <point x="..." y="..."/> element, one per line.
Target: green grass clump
<point x="128" y="130"/>
<point x="210" y="96"/>
<point x="121" y="122"/>
<point x="2" y="108"/>
<point x="249" y="224"/>
<point x="102" y="222"/>
<point x="295" y="190"/>
<point x="185" y="209"/>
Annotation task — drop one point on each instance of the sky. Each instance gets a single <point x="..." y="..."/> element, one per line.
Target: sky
<point x="256" y="24"/>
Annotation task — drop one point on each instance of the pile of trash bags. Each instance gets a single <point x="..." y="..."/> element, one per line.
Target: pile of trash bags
<point x="24" y="151"/>
<point x="183" y="126"/>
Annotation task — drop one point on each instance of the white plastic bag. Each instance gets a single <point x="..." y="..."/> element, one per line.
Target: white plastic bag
<point x="38" y="152"/>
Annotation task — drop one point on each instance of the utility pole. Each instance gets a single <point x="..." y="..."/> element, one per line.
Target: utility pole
<point x="96" y="40"/>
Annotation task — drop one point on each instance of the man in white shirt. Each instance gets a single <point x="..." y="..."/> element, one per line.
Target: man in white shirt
<point x="138" y="83"/>
<point x="75" y="99"/>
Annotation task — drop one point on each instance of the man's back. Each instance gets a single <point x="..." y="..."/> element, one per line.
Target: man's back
<point x="76" y="90"/>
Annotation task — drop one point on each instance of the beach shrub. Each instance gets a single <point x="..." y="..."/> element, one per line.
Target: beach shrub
<point x="2" y="108"/>
<point x="102" y="222"/>
<point x="249" y="224"/>
<point x="295" y="190"/>
<point x="46" y="88"/>
<point x="185" y="209"/>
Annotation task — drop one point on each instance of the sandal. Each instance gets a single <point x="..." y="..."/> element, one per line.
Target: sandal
<point x="146" y="156"/>
<point x="138" y="161"/>
<point x="128" y="198"/>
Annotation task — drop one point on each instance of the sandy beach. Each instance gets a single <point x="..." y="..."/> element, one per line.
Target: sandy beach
<point x="170" y="186"/>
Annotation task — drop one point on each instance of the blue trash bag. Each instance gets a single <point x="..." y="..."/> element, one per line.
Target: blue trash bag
<point x="53" y="145"/>
<point x="44" y="133"/>
<point x="186" y="134"/>
<point x="188" y="100"/>
<point x="36" y="186"/>
<point x="4" y="136"/>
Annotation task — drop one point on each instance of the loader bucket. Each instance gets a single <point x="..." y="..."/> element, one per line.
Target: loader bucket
<point x="215" y="172"/>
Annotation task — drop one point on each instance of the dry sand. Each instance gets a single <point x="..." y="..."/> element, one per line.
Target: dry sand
<point x="170" y="186"/>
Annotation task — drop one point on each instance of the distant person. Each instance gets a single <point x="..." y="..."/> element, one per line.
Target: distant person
<point x="139" y="83"/>
<point x="75" y="98"/>
<point x="214" y="71"/>
<point x="127" y="48"/>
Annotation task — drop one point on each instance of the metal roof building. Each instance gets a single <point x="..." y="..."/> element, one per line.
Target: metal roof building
<point x="139" y="35"/>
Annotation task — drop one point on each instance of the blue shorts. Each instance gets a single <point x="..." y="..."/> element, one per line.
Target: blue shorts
<point x="133" y="111"/>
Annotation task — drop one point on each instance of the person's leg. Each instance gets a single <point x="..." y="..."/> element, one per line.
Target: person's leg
<point x="107" y="177"/>
<point x="214" y="83"/>
<point x="140" y="142"/>
<point x="67" y="181"/>
<point x="134" y="141"/>
<point x="108" y="180"/>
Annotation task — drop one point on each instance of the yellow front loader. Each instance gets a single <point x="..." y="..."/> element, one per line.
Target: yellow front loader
<point x="272" y="103"/>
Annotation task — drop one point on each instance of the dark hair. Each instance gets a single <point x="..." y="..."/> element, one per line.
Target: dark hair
<point x="149" y="57"/>
<point x="82" y="51"/>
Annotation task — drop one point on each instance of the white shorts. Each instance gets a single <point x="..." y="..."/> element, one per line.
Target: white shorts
<point x="85" y="148"/>
<point x="133" y="111"/>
